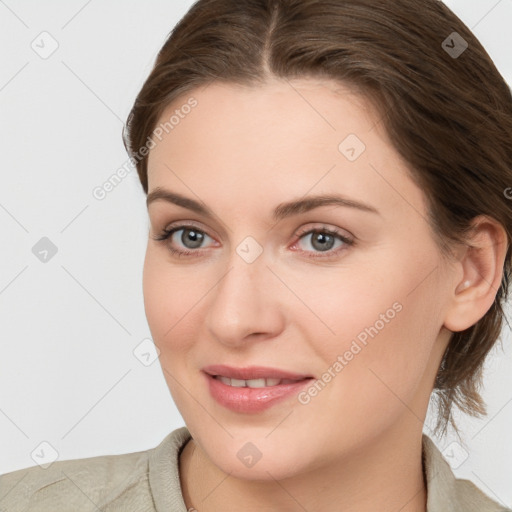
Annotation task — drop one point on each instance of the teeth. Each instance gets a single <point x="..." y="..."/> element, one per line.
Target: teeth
<point x="256" y="383"/>
<point x="252" y="383"/>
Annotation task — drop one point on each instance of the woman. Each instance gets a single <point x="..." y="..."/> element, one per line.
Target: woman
<point x="329" y="245"/>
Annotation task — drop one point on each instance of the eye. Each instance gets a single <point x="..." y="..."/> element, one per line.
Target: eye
<point x="191" y="237"/>
<point x="322" y="240"/>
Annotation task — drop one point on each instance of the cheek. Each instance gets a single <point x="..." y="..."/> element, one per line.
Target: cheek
<point x="347" y="310"/>
<point x="169" y="302"/>
<point x="384" y="359"/>
<point x="383" y="328"/>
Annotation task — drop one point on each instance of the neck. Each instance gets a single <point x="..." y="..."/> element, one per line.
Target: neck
<point x="385" y="475"/>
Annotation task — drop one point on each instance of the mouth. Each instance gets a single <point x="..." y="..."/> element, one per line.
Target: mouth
<point x="254" y="383"/>
<point x="252" y="389"/>
<point x="253" y="376"/>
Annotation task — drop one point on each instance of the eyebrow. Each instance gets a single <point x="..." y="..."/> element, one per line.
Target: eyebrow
<point x="281" y="211"/>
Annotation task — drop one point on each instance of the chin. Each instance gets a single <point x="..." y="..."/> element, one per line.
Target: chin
<point x="254" y="454"/>
<point x="271" y="466"/>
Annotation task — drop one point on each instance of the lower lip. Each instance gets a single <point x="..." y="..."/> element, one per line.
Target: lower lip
<point x="252" y="400"/>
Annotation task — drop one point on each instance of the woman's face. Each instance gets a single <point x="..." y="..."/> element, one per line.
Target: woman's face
<point x="340" y="305"/>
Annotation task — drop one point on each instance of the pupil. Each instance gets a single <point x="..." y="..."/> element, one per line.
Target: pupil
<point x="193" y="236"/>
<point x="324" y="241"/>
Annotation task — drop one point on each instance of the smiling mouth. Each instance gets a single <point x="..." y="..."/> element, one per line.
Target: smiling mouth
<point x="255" y="383"/>
<point x="252" y="389"/>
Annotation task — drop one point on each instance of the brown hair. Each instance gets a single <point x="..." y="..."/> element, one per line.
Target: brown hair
<point x="448" y="114"/>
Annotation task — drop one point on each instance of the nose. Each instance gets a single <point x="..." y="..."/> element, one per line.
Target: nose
<point x="245" y="304"/>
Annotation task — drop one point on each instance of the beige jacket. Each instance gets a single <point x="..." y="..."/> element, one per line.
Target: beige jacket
<point x="148" y="481"/>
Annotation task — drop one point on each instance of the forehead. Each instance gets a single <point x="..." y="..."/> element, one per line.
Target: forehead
<point x="288" y="136"/>
<point x="309" y="109"/>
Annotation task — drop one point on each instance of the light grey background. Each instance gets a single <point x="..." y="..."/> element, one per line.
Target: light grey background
<point x="68" y="374"/>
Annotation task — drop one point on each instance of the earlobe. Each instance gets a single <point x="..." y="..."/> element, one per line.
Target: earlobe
<point x="482" y="264"/>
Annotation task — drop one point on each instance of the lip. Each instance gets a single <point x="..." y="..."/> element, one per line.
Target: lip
<point x="252" y="400"/>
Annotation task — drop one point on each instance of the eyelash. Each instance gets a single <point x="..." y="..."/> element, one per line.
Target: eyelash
<point x="167" y="233"/>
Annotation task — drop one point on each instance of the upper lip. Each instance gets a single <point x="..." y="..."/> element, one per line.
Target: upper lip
<point x="252" y="372"/>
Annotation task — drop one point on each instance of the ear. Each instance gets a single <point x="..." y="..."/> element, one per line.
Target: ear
<point x="481" y="262"/>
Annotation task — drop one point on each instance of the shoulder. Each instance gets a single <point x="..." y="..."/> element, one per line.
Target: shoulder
<point x="78" y="484"/>
<point x="446" y="492"/>
<point x="472" y="498"/>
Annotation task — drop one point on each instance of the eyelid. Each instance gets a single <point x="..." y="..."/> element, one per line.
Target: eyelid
<point x="320" y="226"/>
<point x="324" y="227"/>
<point x="184" y="224"/>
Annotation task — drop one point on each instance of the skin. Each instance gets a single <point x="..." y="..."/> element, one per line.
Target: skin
<point x="356" y="446"/>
